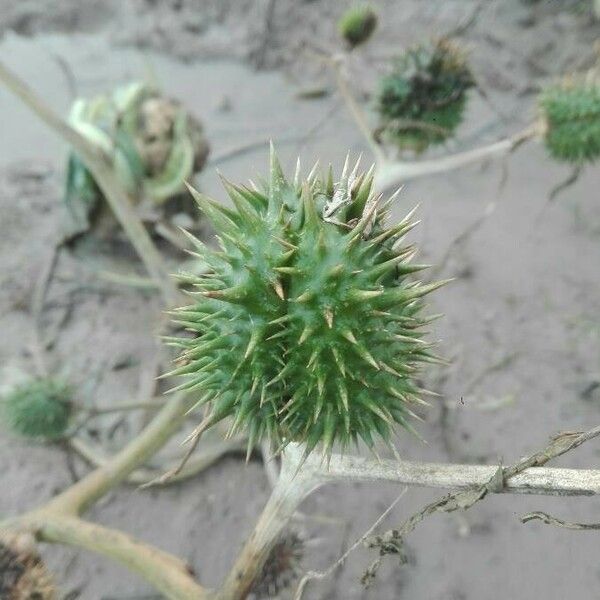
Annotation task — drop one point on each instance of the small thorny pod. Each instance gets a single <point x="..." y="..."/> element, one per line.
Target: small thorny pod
<point x="357" y="25"/>
<point x="307" y="326"/>
<point x="153" y="143"/>
<point x="23" y="575"/>
<point x="422" y="100"/>
<point x="38" y="409"/>
<point x="570" y="113"/>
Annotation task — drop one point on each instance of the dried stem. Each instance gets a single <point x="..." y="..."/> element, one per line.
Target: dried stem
<point x="550" y="520"/>
<point x="393" y="173"/>
<point x="539" y="480"/>
<point x="57" y="521"/>
<point x="392" y="541"/>
<point x="100" y="168"/>
<point x="298" y="479"/>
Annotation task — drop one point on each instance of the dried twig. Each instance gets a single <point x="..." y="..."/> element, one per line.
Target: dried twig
<point x="172" y="473"/>
<point x="391" y="542"/>
<point x="311" y="575"/>
<point x="37" y="308"/>
<point x="550" y="520"/>
<point x="338" y="64"/>
<point x="563" y="185"/>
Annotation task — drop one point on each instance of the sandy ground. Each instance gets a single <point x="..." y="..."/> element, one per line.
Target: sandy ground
<point x="521" y="322"/>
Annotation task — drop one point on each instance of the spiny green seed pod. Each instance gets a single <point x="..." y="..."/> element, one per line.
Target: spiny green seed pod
<point x="307" y="324"/>
<point x="422" y="101"/>
<point x="357" y="25"/>
<point x="23" y="575"/>
<point x="282" y="567"/>
<point x="39" y="409"/>
<point x="571" y="114"/>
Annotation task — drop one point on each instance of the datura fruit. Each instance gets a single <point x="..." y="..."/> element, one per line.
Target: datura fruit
<point x="307" y="325"/>
<point x="39" y="409"/>
<point x="422" y="100"/>
<point x="357" y="25"/>
<point x="571" y="116"/>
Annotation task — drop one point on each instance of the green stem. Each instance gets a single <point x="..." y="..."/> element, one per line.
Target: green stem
<point x="296" y="481"/>
<point x="358" y="115"/>
<point x="92" y="487"/>
<point x="166" y="573"/>
<point x="208" y="455"/>
<point x="394" y="173"/>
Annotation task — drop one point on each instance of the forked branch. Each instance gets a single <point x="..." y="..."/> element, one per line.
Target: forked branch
<point x="473" y="482"/>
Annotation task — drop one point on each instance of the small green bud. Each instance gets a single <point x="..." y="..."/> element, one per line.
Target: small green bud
<point x="39" y="409"/>
<point x="422" y="100"/>
<point x="571" y="115"/>
<point x="357" y="25"/>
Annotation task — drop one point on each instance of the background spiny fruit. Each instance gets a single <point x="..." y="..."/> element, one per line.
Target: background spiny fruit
<point x="422" y="100"/>
<point x="40" y="408"/>
<point x="571" y="113"/>
<point x="357" y="25"/>
<point x="307" y="325"/>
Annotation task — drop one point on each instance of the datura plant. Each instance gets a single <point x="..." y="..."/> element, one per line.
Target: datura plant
<point x="422" y="100"/>
<point x="357" y="25"/>
<point x="571" y="117"/>
<point x="307" y="326"/>
<point x="153" y="144"/>
<point x="38" y="409"/>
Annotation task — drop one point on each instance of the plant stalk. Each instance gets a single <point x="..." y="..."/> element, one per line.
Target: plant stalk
<point x="296" y="481"/>
<point x="544" y="481"/>
<point x="338" y="64"/>
<point x="88" y="490"/>
<point x="395" y="173"/>
<point x="169" y="575"/>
